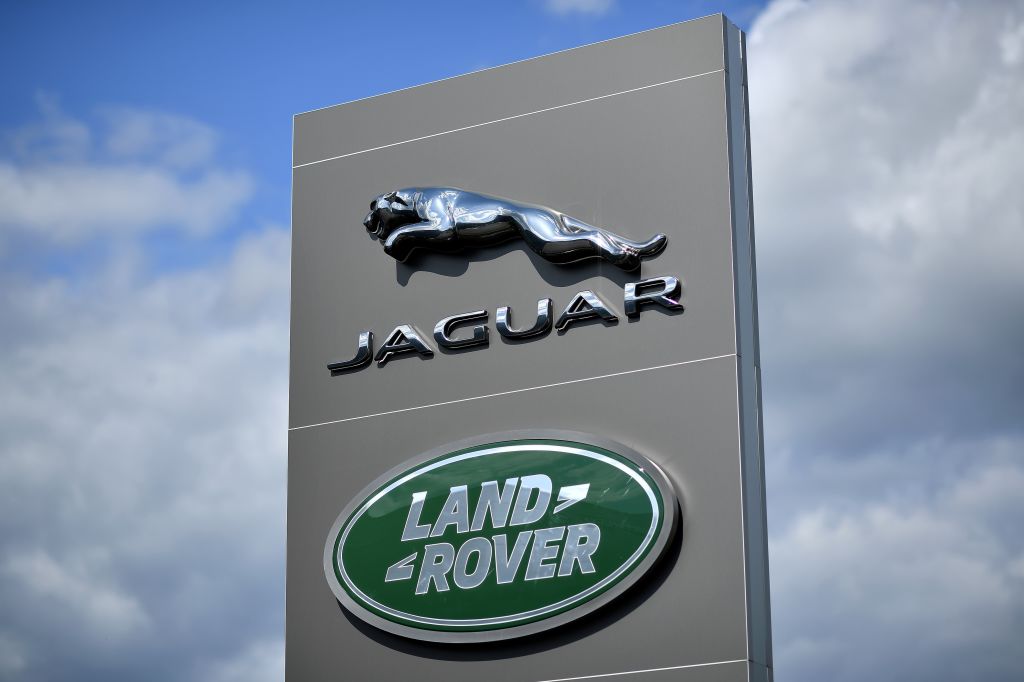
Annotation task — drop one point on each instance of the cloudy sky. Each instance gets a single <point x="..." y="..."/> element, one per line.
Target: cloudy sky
<point x="144" y="202"/>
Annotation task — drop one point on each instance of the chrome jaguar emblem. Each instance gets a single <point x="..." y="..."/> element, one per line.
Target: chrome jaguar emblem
<point x="449" y="220"/>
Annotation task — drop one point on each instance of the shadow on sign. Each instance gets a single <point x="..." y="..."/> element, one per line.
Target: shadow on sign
<point x="455" y="265"/>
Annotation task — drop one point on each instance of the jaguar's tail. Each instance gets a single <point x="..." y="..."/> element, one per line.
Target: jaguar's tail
<point x="652" y="247"/>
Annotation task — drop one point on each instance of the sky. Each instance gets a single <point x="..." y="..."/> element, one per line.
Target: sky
<point x="145" y="160"/>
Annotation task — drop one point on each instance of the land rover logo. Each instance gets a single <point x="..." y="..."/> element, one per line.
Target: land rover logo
<point x="499" y="537"/>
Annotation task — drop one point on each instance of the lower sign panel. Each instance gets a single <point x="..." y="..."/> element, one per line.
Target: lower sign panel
<point x="500" y="536"/>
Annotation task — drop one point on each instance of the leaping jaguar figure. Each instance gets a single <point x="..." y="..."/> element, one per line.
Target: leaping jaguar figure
<point x="449" y="220"/>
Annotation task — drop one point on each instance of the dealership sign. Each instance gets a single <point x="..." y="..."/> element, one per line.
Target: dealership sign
<point x="500" y="537"/>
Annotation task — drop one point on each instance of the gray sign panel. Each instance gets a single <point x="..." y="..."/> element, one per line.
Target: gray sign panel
<point x="641" y="135"/>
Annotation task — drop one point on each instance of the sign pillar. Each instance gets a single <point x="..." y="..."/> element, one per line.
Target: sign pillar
<point x="524" y="431"/>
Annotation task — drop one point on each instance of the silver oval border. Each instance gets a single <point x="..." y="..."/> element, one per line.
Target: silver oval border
<point x="638" y="571"/>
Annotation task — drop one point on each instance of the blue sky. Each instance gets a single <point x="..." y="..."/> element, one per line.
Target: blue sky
<point x="144" y="268"/>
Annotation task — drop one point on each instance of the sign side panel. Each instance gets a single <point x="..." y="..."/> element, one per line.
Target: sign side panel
<point x="748" y="360"/>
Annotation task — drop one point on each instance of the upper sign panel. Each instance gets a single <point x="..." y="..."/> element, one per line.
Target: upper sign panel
<point x="633" y="183"/>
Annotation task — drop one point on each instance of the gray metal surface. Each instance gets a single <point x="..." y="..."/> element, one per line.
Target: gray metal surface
<point x="343" y="283"/>
<point x="647" y="132"/>
<point x="636" y="61"/>
<point x="689" y="612"/>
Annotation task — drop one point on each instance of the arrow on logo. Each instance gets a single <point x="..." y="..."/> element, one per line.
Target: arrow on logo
<point x="402" y="570"/>
<point x="568" y="495"/>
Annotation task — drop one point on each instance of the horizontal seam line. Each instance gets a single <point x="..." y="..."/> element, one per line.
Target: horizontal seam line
<point x="506" y="118"/>
<point x="648" y="670"/>
<point x="512" y="392"/>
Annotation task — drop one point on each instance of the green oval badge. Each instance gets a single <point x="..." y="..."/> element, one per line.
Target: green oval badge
<point x="499" y="537"/>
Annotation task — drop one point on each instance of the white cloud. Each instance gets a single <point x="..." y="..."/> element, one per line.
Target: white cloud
<point x="169" y="140"/>
<point x="885" y="173"/>
<point x="143" y="415"/>
<point x="262" y="661"/>
<point x="67" y="183"/>
<point x="72" y="203"/>
<point x="144" y="422"/>
<point x="56" y="137"/>
<point x="12" y="656"/>
<point x="1011" y="42"/>
<point x="922" y="582"/>
<point x="591" y="7"/>
<point x="68" y="587"/>
<point x="887" y="150"/>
